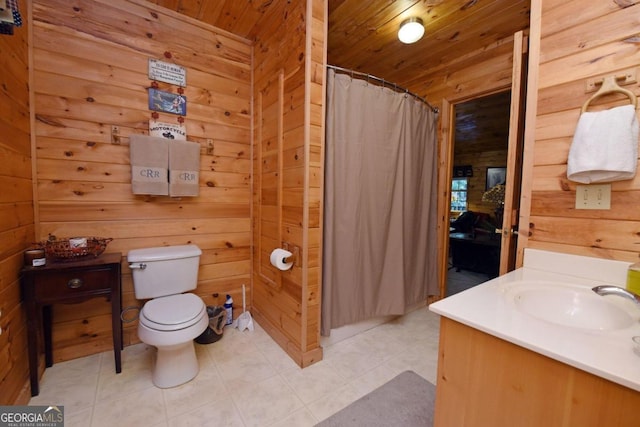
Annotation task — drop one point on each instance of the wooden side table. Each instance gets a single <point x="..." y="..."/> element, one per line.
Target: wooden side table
<point x="69" y="282"/>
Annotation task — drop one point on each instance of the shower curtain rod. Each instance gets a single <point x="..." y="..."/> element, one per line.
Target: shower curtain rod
<point x="384" y="84"/>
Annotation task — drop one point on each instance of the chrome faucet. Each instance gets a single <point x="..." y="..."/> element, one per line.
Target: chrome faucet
<point x="616" y="290"/>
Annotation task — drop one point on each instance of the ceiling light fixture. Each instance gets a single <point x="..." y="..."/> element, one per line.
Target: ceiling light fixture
<point x="411" y="30"/>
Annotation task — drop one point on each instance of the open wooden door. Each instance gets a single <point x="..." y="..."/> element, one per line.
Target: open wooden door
<point x="513" y="161"/>
<point x="514" y="155"/>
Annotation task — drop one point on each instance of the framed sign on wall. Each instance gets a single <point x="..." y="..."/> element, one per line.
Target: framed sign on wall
<point x="167" y="102"/>
<point x="495" y="176"/>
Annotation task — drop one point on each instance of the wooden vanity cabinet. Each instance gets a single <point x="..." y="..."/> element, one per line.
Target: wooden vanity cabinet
<point x="486" y="381"/>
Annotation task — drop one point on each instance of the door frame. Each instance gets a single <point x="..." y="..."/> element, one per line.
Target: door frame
<point x="509" y="227"/>
<point x="445" y="167"/>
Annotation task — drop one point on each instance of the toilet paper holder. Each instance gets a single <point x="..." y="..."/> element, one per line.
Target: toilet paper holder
<point x="295" y="251"/>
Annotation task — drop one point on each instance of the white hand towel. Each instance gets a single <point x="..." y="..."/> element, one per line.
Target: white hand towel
<point x="605" y="146"/>
<point x="149" y="165"/>
<point x="184" y="168"/>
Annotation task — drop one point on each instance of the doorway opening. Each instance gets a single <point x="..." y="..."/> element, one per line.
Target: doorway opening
<point x="480" y="154"/>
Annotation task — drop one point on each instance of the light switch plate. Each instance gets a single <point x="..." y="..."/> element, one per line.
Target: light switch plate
<point x="595" y="196"/>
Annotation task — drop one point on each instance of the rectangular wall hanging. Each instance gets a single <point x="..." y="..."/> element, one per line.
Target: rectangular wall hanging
<point x="495" y="176"/>
<point x="167" y="72"/>
<point x="462" y="171"/>
<point x="168" y="130"/>
<point x="167" y="102"/>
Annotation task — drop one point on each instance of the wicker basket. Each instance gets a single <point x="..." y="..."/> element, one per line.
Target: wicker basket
<point x="74" y="248"/>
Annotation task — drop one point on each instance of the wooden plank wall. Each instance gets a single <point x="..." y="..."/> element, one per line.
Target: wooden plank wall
<point x="477" y="183"/>
<point x="90" y="73"/>
<point x="485" y="71"/>
<point x="577" y="41"/>
<point x="316" y="61"/>
<point x="289" y="58"/>
<point x="16" y="209"/>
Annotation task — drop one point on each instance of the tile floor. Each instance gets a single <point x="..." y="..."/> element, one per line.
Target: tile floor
<point x="458" y="281"/>
<point x="245" y="380"/>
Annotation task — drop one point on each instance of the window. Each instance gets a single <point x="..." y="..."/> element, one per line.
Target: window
<point x="459" y="194"/>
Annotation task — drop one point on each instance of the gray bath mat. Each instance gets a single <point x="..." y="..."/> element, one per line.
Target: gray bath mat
<point x="407" y="400"/>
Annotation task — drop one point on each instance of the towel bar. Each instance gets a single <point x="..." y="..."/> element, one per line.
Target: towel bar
<point x="609" y="85"/>
<point x="623" y="78"/>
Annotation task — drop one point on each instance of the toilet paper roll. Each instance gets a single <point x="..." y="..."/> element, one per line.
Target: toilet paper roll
<point x="278" y="257"/>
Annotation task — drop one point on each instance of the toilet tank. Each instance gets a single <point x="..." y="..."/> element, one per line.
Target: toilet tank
<point x="164" y="270"/>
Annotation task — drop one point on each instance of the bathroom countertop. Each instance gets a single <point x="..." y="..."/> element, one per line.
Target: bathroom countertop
<point x="607" y="354"/>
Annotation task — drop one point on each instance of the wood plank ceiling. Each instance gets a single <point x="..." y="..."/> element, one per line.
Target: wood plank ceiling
<point x="482" y="124"/>
<point x="363" y="34"/>
<point x="363" y="37"/>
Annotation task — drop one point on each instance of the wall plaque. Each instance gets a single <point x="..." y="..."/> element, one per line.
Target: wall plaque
<point x="167" y="72"/>
<point x="167" y="130"/>
<point x="167" y="102"/>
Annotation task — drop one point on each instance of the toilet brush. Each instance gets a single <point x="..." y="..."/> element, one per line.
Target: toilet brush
<point x="244" y="320"/>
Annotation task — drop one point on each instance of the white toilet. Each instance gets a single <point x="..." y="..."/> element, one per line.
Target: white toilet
<point x="171" y="319"/>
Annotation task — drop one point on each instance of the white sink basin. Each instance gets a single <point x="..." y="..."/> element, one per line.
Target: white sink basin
<point x="569" y="305"/>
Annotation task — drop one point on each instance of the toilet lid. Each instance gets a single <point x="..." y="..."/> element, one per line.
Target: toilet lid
<point x="172" y="312"/>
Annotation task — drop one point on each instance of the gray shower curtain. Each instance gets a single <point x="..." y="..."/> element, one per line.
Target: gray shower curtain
<point x="380" y="244"/>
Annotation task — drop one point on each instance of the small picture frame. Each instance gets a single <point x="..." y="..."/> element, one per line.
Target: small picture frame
<point x="495" y="176"/>
<point x="167" y="102"/>
<point x="463" y="171"/>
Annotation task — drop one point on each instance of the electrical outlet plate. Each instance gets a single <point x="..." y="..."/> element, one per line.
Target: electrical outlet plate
<point x="595" y="196"/>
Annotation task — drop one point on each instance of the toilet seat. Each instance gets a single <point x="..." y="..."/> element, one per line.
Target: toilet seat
<point x="173" y="312"/>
